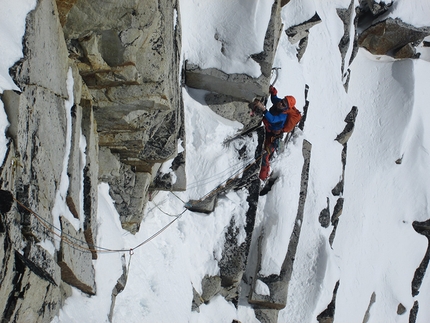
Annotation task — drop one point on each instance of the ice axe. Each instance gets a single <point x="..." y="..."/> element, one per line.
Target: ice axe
<point x="276" y="69"/>
<point x="253" y="105"/>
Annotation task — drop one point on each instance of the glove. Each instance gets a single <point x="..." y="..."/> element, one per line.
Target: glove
<point x="273" y="90"/>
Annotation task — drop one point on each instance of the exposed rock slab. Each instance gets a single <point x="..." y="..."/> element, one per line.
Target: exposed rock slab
<point x="131" y="201"/>
<point x="90" y="175"/>
<point x="40" y="167"/>
<point x="327" y="316"/>
<point x="299" y="33"/>
<point x="389" y="36"/>
<point x="41" y="263"/>
<point x="76" y="263"/>
<point x="40" y="66"/>
<point x="239" y="86"/>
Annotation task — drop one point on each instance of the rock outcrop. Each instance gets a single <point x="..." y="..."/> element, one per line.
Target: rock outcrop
<point x="299" y="33"/>
<point x="99" y="85"/>
<point x="393" y="37"/>
<point x="128" y="56"/>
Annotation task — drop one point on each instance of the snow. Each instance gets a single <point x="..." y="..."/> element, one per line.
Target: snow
<point x="375" y="248"/>
<point x="60" y="206"/>
<point x="223" y="34"/>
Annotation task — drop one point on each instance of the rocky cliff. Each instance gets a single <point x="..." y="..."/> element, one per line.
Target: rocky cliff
<point x="100" y="101"/>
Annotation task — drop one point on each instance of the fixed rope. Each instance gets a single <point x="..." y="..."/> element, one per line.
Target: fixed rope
<point x="81" y="244"/>
<point x="86" y="247"/>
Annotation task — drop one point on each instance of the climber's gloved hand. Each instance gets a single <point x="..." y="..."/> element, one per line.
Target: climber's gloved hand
<point x="273" y="90"/>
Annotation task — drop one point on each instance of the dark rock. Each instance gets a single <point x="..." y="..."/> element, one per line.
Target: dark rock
<point x="407" y="51"/>
<point x="346" y="78"/>
<point x="41" y="263"/>
<point x="303" y="44"/>
<point x="301" y="124"/>
<point x="90" y="175"/>
<point x="300" y="31"/>
<point x="371" y="302"/>
<point x="324" y="217"/>
<point x="232" y="263"/>
<point x="119" y="287"/>
<point x="375" y="8"/>
<point x="266" y="315"/>
<point x="332" y="236"/>
<point x="346" y="133"/>
<point x="268" y="187"/>
<point x="271" y="40"/>
<point x="424" y="229"/>
<point x="346" y="16"/>
<point x="206" y="205"/>
<point x="414" y="312"/>
<point x="352" y="115"/>
<point x="327" y="316"/>
<point x="284" y="2"/>
<point x="76" y="262"/>
<point x="6" y="201"/>
<point x="401" y="309"/>
<point x="196" y="302"/>
<point x="211" y="286"/>
<point x="337" y="211"/>
<point x="338" y="189"/>
<point x="399" y="161"/>
<point x="388" y="36"/>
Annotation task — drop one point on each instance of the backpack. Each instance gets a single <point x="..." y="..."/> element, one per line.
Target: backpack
<point x="293" y="118"/>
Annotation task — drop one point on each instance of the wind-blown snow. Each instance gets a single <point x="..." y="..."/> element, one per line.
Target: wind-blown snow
<point x="375" y="248"/>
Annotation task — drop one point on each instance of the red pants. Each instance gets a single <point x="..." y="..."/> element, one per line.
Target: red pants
<point x="270" y="145"/>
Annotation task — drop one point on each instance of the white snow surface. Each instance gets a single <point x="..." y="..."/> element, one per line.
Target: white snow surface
<point x="375" y="248"/>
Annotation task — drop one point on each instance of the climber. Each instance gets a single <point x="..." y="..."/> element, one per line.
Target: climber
<point x="274" y="120"/>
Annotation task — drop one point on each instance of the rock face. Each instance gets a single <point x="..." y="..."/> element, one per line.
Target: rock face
<point x="100" y="100"/>
<point x="392" y="37"/>
<point x="125" y="52"/>
<point x="299" y="33"/>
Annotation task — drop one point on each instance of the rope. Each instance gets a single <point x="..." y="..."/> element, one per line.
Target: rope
<point x="215" y="177"/>
<point x="228" y="181"/>
<point x="81" y="244"/>
<point x="91" y="248"/>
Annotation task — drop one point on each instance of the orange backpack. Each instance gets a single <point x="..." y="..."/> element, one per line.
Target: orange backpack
<point x="293" y="118"/>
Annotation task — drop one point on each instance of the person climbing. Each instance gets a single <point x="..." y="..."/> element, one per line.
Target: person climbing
<point x="274" y="121"/>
